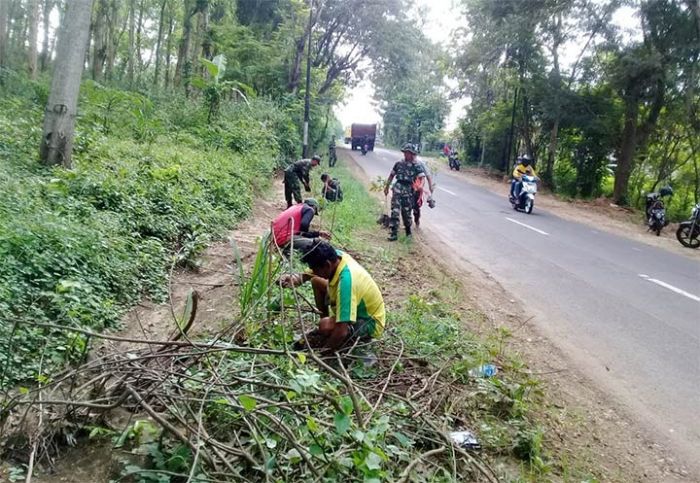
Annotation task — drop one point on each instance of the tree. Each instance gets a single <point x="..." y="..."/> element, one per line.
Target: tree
<point x="131" y="55"/>
<point x="33" y="38"/>
<point x="100" y="39"/>
<point x="159" y="42"/>
<point x="46" y="23"/>
<point x="59" y="120"/>
<point x="4" y="14"/>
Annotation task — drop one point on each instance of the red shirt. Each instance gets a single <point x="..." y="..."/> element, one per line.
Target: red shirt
<point x="288" y="223"/>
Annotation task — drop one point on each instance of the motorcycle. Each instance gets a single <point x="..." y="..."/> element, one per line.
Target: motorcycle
<point x="364" y="149"/>
<point x="656" y="213"/>
<point x="525" y="201"/>
<point x="453" y="161"/>
<point x="688" y="232"/>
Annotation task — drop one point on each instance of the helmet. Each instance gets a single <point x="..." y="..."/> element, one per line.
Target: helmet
<point x="409" y="147"/>
<point x="526" y="160"/>
<point x="316" y="157"/>
<point x="666" y="191"/>
<point x="313" y="204"/>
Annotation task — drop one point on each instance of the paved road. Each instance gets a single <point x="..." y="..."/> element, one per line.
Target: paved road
<point x="628" y="312"/>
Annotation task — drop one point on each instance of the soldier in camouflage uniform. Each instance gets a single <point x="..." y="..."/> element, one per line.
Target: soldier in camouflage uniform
<point x="295" y="173"/>
<point x="406" y="173"/>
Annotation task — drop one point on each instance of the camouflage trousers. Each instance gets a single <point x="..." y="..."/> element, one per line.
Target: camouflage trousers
<point x="292" y="187"/>
<point x="401" y="203"/>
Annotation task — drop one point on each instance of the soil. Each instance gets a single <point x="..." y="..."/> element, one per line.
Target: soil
<point x="598" y="213"/>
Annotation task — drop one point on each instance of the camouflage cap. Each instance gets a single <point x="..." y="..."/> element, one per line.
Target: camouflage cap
<point x="409" y="147"/>
<point x="313" y="204"/>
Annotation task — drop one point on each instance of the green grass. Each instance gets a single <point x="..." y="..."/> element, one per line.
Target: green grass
<point x="152" y="185"/>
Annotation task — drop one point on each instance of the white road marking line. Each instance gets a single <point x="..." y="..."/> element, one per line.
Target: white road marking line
<point x="670" y="287"/>
<point x="528" y="226"/>
<point x="446" y="191"/>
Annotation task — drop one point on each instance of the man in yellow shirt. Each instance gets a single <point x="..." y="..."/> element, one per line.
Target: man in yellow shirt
<point x="524" y="167"/>
<point x="349" y="300"/>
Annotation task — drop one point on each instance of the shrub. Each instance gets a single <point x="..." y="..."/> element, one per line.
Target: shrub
<point x="150" y="180"/>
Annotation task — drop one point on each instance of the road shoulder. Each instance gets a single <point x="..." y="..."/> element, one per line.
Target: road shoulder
<point x="587" y="427"/>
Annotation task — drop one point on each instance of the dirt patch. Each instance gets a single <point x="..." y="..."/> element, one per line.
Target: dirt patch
<point x="214" y="280"/>
<point x="598" y="213"/>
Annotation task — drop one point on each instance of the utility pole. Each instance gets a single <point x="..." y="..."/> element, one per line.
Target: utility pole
<point x="307" y="94"/>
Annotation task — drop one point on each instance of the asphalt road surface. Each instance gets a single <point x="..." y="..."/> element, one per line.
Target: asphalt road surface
<point x="626" y="312"/>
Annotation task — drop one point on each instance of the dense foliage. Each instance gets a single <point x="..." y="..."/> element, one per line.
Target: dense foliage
<point x="593" y="103"/>
<point x="152" y="181"/>
<point x="186" y="108"/>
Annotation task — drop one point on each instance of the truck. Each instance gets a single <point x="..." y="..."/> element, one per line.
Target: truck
<point x="361" y="133"/>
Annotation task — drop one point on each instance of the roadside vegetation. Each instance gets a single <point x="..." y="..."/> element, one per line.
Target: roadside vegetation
<point x="152" y="184"/>
<point x="239" y="404"/>
<point x="604" y="112"/>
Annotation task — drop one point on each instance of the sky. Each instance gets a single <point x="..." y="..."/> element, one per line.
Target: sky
<point x="441" y="17"/>
<point x="360" y="107"/>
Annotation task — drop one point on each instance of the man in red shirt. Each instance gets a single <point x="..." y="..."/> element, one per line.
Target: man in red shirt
<point x="296" y="222"/>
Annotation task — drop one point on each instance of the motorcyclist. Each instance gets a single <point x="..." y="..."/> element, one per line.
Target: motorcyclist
<point x="652" y="198"/>
<point x="452" y="158"/>
<point x="524" y="167"/>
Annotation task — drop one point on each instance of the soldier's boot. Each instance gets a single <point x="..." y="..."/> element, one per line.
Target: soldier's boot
<point x="393" y="236"/>
<point x="408" y="231"/>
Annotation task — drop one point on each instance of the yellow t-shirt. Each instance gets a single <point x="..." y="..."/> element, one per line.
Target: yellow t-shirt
<point x="354" y="295"/>
<point x="521" y="169"/>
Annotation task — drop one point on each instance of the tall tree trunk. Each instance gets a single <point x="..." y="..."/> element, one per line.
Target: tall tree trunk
<point x="182" y="67"/>
<point x="99" y="48"/>
<point x="295" y="69"/>
<point x="206" y="36"/>
<point x="46" y="24"/>
<point x="527" y="128"/>
<point x="18" y="33"/>
<point x="159" y="42"/>
<point x="33" y="38"/>
<point x="139" y="35"/>
<point x="112" y="39"/>
<point x="202" y="34"/>
<point x="169" y="48"/>
<point x="627" y="150"/>
<point x="132" y="41"/>
<point x="59" y="119"/>
<point x="548" y="173"/>
<point x="4" y="15"/>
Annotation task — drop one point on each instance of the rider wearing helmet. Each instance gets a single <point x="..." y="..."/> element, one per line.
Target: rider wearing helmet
<point x="524" y="167"/>
<point x="652" y="198"/>
<point x="295" y="222"/>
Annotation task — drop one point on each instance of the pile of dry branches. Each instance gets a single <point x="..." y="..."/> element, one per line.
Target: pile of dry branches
<point x="246" y="407"/>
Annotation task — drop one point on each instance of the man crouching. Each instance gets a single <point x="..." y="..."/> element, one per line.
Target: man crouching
<point x="349" y="300"/>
